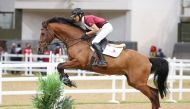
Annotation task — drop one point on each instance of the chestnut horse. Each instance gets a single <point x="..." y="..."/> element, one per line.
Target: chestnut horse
<point x="135" y="66"/>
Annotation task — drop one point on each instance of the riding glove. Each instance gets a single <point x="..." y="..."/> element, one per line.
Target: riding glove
<point x="85" y="37"/>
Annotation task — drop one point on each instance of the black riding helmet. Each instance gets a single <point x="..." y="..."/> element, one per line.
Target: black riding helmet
<point x="77" y="12"/>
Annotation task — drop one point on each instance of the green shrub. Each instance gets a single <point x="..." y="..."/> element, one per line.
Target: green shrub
<point x="51" y="94"/>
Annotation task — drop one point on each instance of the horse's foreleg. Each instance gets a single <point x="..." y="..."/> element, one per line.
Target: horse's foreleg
<point x="63" y="76"/>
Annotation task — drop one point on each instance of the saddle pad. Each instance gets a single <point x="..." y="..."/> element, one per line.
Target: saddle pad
<point x="112" y="51"/>
<point x="117" y="45"/>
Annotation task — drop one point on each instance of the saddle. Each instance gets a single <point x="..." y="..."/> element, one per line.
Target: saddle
<point x="115" y="44"/>
<point x="109" y="48"/>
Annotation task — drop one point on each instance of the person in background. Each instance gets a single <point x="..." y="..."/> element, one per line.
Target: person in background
<point x="47" y="59"/>
<point x="153" y="51"/>
<point x="13" y="51"/>
<point x="27" y="50"/>
<point x="14" y="58"/>
<point x="160" y="53"/>
<point x="58" y="50"/>
<point x="1" y="53"/>
<point x="19" y="51"/>
<point x="46" y="52"/>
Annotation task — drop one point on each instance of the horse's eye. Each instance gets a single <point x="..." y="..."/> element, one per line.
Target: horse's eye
<point x="42" y="33"/>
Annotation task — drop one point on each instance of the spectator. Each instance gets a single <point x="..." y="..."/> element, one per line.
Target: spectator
<point x="19" y="51"/>
<point x="13" y="51"/>
<point x="160" y="53"/>
<point x="46" y="52"/>
<point x="58" y="49"/>
<point x="1" y="52"/>
<point x="153" y="51"/>
<point x="13" y="58"/>
<point x="27" y="50"/>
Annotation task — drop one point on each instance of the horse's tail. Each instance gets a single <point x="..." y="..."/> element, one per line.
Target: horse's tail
<point x="160" y="68"/>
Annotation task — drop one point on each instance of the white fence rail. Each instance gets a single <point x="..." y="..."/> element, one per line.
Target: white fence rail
<point x="176" y="65"/>
<point x="29" y="58"/>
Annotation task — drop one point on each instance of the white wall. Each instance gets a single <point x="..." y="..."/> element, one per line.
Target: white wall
<point x="32" y="23"/>
<point x="70" y="4"/>
<point x="154" y="22"/>
<point x="7" y="5"/>
<point x="118" y="21"/>
<point x="149" y="22"/>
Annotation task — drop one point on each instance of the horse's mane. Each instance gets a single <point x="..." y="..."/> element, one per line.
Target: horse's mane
<point x="62" y="20"/>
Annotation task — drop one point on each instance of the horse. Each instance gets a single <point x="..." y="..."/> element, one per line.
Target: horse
<point x="130" y="63"/>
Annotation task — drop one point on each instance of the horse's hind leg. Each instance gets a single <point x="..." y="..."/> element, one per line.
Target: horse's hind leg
<point x="156" y="94"/>
<point x="139" y="82"/>
<point x="153" y="97"/>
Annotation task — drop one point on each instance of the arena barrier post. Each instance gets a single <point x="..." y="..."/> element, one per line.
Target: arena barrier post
<point x="114" y="90"/>
<point x="171" y="80"/>
<point x="1" y="83"/>
<point x="181" y="81"/>
<point x="123" y="88"/>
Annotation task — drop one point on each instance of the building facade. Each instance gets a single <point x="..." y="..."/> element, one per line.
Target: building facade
<point x="147" y="22"/>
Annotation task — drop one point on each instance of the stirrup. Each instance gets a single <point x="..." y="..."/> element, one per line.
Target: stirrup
<point x="100" y="64"/>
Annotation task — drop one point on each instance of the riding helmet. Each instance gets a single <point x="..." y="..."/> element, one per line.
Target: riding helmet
<point x="77" y="11"/>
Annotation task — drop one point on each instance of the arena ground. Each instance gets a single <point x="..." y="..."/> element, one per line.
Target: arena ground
<point x="91" y="101"/>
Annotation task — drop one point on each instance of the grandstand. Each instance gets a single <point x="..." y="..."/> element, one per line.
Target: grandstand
<point x="181" y="48"/>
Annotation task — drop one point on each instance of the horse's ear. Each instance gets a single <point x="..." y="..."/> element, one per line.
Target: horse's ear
<point x="44" y="24"/>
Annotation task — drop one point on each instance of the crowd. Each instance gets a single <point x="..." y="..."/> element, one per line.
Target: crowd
<point x="26" y="50"/>
<point x="156" y="52"/>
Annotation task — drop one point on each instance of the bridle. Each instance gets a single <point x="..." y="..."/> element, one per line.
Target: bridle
<point x="45" y="42"/>
<point x="68" y="42"/>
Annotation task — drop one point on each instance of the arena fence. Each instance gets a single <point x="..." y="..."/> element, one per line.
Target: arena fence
<point x="30" y="58"/>
<point x="177" y="69"/>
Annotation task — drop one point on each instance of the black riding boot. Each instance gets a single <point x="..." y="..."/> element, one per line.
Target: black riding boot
<point x="101" y="62"/>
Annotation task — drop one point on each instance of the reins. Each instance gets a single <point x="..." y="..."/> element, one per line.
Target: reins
<point x="67" y="42"/>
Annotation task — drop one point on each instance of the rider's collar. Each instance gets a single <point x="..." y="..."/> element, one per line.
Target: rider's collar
<point x="83" y="20"/>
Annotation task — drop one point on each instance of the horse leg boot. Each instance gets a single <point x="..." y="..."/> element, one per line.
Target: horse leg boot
<point x="101" y="62"/>
<point x="64" y="76"/>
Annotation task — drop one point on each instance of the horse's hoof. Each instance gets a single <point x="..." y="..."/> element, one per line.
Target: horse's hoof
<point x="68" y="82"/>
<point x="73" y="84"/>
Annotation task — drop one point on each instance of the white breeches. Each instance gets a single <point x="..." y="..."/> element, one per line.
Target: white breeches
<point x="104" y="31"/>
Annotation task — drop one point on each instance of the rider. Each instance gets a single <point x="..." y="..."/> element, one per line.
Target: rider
<point x="97" y="26"/>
